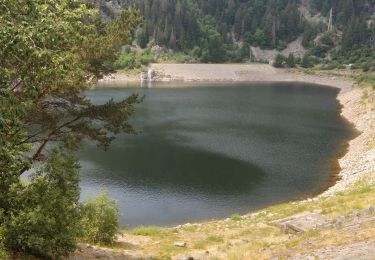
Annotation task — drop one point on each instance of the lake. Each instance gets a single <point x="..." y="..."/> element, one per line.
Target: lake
<point x="208" y="152"/>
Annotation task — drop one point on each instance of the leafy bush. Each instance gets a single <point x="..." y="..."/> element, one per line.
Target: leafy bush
<point x="306" y="61"/>
<point x="129" y="59"/>
<point x="236" y="217"/>
<point x="3" y="251"/>
<point x="174" y="57"/>
<point x="281" y="45"/>
<point x="279" y="61"/>
<point x="146" y="57"/>
<point x="46" y="219"/>
<point x="196" y="51"/>
<point x="362" y="58"/>
<point x="100" y="220"/>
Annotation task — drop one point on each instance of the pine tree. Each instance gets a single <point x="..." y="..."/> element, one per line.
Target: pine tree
<point x="49" y="56"/>
<point x="291" y="62"/>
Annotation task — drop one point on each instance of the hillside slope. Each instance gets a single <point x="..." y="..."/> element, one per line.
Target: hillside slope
<point x="218" y="31"/>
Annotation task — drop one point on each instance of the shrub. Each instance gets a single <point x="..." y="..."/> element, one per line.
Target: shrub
<point x="326" y="39"/>
<point x="46" y="220"/>
<point x="291" y="61"/>
<point x="127" y="61"/>
<point x="3" y="251"/>
<point x="196" y="51"/>
<point x="146" y="58"/>
<point x="279" y="61"/>
<point x="306" y="61"/>
<point x="236" y="217"/>
<point x="281" y="45"/>
<point x="99" y="220"/>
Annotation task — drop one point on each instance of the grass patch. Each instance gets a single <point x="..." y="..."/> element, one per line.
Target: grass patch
<point x="366" y="79"/>
<point x="215" y="239"/>
<point x="212" y="239"/>
<point x="236" y="217"/>
<point x="148" y="231"/>
<point x="191" y="228"/>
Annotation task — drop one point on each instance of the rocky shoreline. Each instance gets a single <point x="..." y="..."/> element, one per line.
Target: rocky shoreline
<point x="359" y="161"/>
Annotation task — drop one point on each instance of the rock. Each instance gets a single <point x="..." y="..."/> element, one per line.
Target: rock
<point x="180" y="244"/>
<point x="301" y="222"/>
<point x="185" y="258"/>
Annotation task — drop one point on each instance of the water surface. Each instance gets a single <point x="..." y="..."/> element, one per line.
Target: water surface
<point x="208" y="152"/>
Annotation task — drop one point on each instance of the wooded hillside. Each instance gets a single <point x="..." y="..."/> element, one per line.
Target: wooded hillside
<point x="223" y="30"/>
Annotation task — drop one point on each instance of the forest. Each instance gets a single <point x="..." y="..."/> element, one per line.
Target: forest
<point x="222" y="31"/>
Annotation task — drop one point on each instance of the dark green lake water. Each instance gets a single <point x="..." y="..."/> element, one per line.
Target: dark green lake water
<point x="212" y="151"/>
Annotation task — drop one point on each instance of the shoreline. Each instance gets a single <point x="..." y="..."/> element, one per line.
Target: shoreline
<point x="225" y="73"/>
<point x="358" y="159"/>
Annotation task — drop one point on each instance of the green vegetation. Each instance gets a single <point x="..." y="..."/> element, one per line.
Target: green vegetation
<point x="52" y="51"/>
<point x="46" y="218"/>
<point x="148" y="231"/>
<point x="204" y="243"/>
<point x="99" y="220"/>
<point x="291" y="61"/>
<point x="130" y="59"/>
<point x="209" y="30"/>
<point x="222" y="31"/>
<point x="281" y="61"/>
<point x="236" y="217"/>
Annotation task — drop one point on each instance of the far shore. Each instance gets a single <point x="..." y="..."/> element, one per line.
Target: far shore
<point x="357" y="163"/>
<point x="215" y="73"/>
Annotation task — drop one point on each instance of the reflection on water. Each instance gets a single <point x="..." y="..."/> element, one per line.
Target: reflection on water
<point x="210" y="152"/>
<point x="177" y="168"/>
